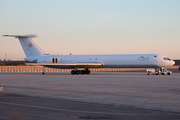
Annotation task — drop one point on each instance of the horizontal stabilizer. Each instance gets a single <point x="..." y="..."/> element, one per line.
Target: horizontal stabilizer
<point x="22" y="36"/>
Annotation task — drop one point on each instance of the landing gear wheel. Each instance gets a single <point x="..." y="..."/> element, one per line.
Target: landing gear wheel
<point x="158" y="73"/>
<point x="88" y="72"/>
<point x="78" y="72"/>
<point x="83" y="71"/>
<point x="73" y="72"/>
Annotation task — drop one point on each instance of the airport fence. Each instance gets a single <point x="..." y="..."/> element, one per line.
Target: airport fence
<point x="45" y="69"/>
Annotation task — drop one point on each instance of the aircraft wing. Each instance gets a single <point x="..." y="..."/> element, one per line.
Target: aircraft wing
<point x="68" y="65"/>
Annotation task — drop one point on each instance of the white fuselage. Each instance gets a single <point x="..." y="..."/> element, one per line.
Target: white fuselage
<point x="108" y="61"/>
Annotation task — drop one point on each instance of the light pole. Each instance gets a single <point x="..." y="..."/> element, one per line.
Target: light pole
<point x="6" y="57"/>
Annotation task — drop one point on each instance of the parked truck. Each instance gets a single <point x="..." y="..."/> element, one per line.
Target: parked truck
<point x="158" y="72"/>
<point x="166" y="72"/>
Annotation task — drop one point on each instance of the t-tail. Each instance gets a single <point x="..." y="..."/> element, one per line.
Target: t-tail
<point x="30" y="48"/>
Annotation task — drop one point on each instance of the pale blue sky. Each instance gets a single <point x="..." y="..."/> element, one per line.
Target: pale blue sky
<point x="92" y="26"/>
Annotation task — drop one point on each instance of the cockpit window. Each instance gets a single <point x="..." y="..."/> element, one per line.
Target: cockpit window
<point x="166" y="58"/>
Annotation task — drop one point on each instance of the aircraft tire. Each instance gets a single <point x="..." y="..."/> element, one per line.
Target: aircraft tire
<point x="158" y="73"/>
<point x="78" y="72"/>
<point x="83" y="71"/>
<point x="73" y="72"/>
<point x="88" y="72"/>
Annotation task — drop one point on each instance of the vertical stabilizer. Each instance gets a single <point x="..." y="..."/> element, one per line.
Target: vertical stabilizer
<point x="29" y="46"/>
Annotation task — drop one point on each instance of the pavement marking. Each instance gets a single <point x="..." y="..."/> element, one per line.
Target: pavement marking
<point x="4" y="117"/>
<point x="75" y="111"/>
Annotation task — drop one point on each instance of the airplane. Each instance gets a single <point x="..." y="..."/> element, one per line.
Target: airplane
<point x="37" y="56"/>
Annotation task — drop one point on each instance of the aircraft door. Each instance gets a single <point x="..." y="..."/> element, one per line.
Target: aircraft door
<point x="147" y="59"/>
<point x="54" y="60"/>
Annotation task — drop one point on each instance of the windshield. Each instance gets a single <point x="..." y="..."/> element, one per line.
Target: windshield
<point x="166" y="58"/>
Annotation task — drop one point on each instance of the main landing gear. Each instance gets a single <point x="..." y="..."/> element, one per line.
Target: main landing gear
<point x="78" y="72"/>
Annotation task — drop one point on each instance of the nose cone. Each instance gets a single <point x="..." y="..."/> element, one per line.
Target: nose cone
<point x="173" y="62"/>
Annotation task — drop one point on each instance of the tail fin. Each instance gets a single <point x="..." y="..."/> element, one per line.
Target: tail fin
<point x="29" y="46"/>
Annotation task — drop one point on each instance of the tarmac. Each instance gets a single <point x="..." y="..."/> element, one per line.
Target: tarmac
<point x="101" y="95"/>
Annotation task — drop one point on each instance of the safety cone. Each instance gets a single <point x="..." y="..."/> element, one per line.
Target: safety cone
<point x="18" y="74"/>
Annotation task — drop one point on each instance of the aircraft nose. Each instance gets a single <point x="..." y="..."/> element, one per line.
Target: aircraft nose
<point x="173" y="62"/>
